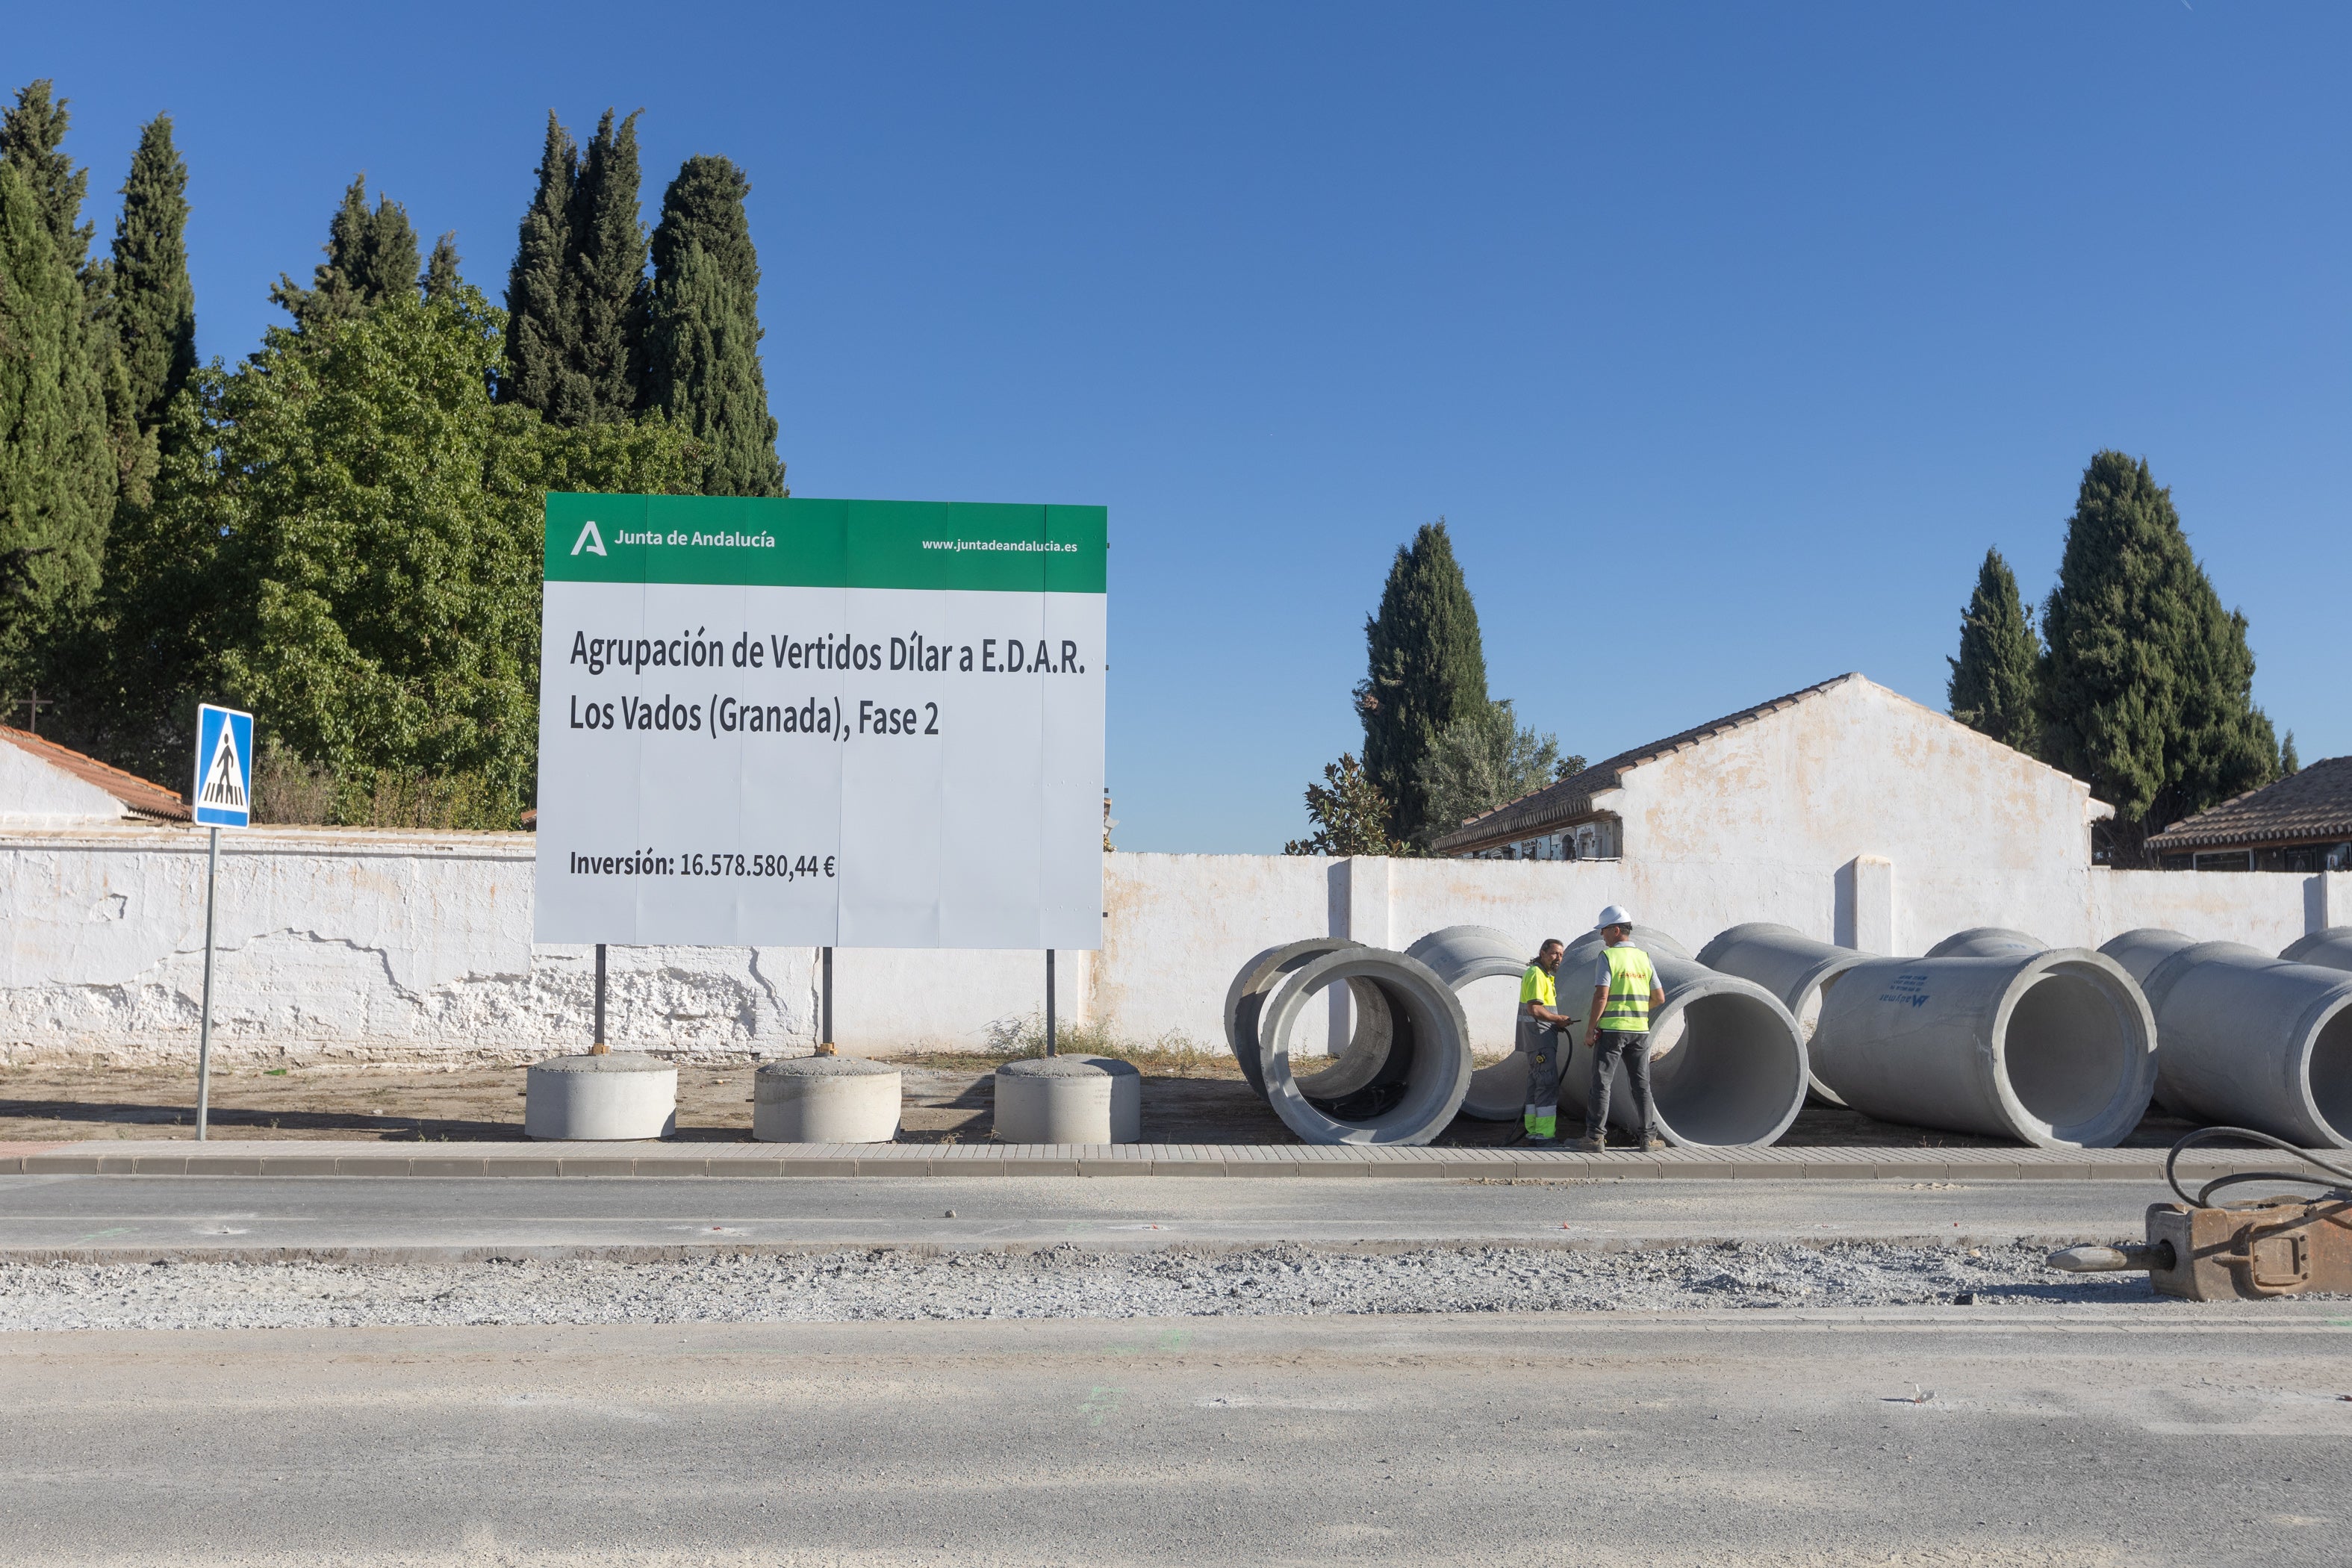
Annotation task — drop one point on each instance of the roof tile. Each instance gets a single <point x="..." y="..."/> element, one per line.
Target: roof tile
<point x="2315" y="803"/>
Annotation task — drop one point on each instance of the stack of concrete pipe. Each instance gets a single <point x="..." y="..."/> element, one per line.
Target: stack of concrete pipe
<point x="1406" y="1067"/>
<point x="1993" y="1032"/>
<point x="1729" y="1063"/>
<point x="2250" y="1040"/>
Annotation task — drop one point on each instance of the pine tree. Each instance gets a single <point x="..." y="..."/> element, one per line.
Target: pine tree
<point x="153" y="313"/>
<point x="1427" y="669"/>
<point x="541" y="322"/>
<point x="2147" y="687"/>
<point x="607" y="282"/>
<point x="441" y="280"/>
<point x="370" y="257"/>
<point x="1992" y="686"/>
<point x="58" y="467"/>
<point x="31" y="137"/>
<point x="702" y="341"/>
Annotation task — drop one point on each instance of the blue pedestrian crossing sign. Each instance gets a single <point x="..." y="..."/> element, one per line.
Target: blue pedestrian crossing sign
<point x="224" y="796"/>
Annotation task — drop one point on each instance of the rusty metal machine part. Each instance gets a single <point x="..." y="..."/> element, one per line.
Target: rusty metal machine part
<point x="2198" y="1250"/>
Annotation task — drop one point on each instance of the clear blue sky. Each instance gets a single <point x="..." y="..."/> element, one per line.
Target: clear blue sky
<point x="1756" y="324"/>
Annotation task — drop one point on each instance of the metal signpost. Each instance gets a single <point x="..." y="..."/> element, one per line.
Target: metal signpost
<point x="769" y="722"/>
<point x="222" y="797"/>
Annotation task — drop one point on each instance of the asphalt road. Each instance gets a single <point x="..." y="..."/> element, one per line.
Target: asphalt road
<point x="131" y="1216"/>
<point x="2095" y="1437"/>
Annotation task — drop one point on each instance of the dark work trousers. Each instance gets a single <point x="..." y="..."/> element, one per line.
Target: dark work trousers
<point x="1541" y="1045"/>
<point x="1636" y="1048"/>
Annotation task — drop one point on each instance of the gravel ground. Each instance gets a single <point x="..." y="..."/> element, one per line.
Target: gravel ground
<point x="1063" y="1282"/>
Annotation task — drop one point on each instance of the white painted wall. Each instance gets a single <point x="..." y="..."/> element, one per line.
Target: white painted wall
<point x="416" y="946"/>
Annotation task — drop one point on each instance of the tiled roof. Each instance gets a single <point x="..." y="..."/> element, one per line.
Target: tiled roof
<point x="2315" y="803"/>
<point x="1571" y="797"/>
<point x="137" y="794"/>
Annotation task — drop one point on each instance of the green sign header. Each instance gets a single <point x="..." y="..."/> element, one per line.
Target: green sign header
<point x="746" y="542"/>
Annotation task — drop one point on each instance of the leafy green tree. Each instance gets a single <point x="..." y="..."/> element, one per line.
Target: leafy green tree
<point x="2147" y="686"/>
<point x="703" y="339"/>
<point x="378" y="583"/>
<point x="1993" y="682"/>
<point x="607" y="282"/>
<point x="370" y="257"/>
<point x="1349" y="814"/>
<point x="58" y="465"/>
<point x="1427" y="669"/>
<point x="153" y="303"/>
<point x="2288" y="761"/>
<point x="542" y="323"/>
<point x="1479" y="761"/>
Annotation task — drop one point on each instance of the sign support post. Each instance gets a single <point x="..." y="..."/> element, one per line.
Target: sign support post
<point x="598" y="1047"/>
<point x="1049" y="1001"/>
<point x="222" y="797"/>
<point x="826" y="1030"/>
<point x="205" y="1028"/>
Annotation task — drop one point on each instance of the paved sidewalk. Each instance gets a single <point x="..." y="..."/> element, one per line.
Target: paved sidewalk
<point x="320" y="1157"/>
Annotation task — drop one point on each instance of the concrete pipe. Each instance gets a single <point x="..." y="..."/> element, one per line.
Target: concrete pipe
<point x="1789" y="965"/>
<point x="2139" y="951"/>
<point x="1461" y="956"/>
<point x="2250" y="1040"/>
<point x="1069" y="1100"/>
<point x="1733" y="1069"/>
<point x="1428" y="1065"/>
<point x="825" y="1099"/>
<point x="2329" y="948"/>
<point x="1987" y="941"/>
<point x="1245" y="997"/>
<point x="2055" y="1049"/>
<point x="619" y="1095"/>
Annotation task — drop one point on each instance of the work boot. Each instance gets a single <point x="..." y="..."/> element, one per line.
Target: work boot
<point x="1589" y="1145"/>
<point x="1652" y="1142"/>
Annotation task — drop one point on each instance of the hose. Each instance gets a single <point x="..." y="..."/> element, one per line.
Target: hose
<point x="2203" y="1200"/>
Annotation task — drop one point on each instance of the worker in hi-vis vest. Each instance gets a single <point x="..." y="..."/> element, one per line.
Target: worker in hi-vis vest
<point x="1624" y="988"/>
<point x="1543" y="1038"/>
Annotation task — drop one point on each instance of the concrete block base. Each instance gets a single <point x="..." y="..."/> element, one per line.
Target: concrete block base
<point x="1069" y="1100"/>
<point x="623" y="1095"/>
<point x="825" y="1099"/>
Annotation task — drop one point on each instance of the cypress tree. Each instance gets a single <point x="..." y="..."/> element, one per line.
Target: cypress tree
<point x="1427" y="671"/>
<point x="2147" y="688"/>
<point x="153" y="303"/>
<point x="607" y="282"/>
<point x="702" y="341"/>
<point x="541" y="325"/>
<point x="441" y="280"/>
<point x="2288" y="761"/>
<point x="1993" y="682"/>
<point x="31" y="137"/>
<point x="370" y="256"/>
<point x="57" y="468"/>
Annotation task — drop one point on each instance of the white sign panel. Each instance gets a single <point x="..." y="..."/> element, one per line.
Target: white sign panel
<point x="781" y="722"/>
<point x="223" y="796"/>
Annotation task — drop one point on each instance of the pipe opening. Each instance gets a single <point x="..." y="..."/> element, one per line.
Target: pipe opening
<point x="1398" y="1083"/>
<point x="1732" y="1079"/>
<point x="2068" y="1051"/>
<point x="1379" y="1049"/>
<point x="2331" y="1073"/>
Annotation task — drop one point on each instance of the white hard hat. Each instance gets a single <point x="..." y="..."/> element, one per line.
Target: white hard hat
<point x="1614" y="915"/>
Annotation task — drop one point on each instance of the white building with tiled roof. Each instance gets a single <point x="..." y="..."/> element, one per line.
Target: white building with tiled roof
<point x="44" y="785"/>
<point x="1809" y="781"/>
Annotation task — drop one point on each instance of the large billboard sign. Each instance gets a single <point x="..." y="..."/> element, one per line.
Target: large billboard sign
<point x="829" y="724"/>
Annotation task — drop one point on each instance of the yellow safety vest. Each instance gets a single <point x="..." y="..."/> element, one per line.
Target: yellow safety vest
<point x="1631" y="981"/>
<point x="1535" y="985"/>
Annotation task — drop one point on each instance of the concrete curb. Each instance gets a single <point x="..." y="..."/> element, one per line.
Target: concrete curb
<point x="323" y="1157"/>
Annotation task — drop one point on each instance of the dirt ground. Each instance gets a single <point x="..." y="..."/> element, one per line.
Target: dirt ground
<point x="949" y="1098"/>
